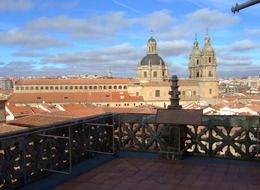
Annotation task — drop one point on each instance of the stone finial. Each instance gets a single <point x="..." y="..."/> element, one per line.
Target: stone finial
<point x="174" y="94"/>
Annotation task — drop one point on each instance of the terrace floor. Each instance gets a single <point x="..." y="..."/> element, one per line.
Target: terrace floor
<point x="126" y="173"/>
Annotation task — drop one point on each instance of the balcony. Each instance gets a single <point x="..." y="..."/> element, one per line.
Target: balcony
<point x="130" y="151"/>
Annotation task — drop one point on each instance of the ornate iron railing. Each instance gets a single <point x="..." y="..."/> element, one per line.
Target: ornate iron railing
<point x="25" y="156"/>
<point x="33" y="153"/>
<point x="235" y="137"/>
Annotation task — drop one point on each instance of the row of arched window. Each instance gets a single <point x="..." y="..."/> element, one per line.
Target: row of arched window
<point x="72" y="87"/>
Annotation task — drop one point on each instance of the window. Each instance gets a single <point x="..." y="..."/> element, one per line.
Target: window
<point x="115" y="87"/>
<point x="71" y="87"/>
<point x="145" y="74"/>
<point x="80" y="87"/>
<point x="17" y="88"/>
<point x="209" y="59"/>
<point x="210" y="74"/>
<point x="157" y="93"/>
<point x="110" y="87"/>
<point x="90" y="87"/>
<point x="39" y="98"/>
<point x="31" y="88"/>
<point x="210" y="91"/>
<point x="155" y="74"/>
<point x="61" y="87"/>
<point x="100" y="87"/>
<point x="198" y="74"/>
<point x="137" y="93"/>
<point x="56" y="88"/>
<point x="95" y="87"/>
<point x="76" y="87"/>
<point x="85" y="87"/>
<point x="26" y="88"/>
<point x="66" y="87"/>
<point x="194" y="93"/>
<point x="51" y="87"/>
<point x="36" y="88"/>
<point x="104" y="87"/>
<point x="197" y="61"/>
<point x="183" y="93"/>
<point x="42" y="88"/>
<point x="125" y="87"/>
<point x="120" y="87"/>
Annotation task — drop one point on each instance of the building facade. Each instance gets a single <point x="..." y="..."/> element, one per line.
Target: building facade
<point x="6" y="84"/>
<point x="203" y="67"/>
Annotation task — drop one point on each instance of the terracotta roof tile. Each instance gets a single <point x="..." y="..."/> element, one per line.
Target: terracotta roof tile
<point x="19" y="110"/>
<point x="72" y="97"/>
<point x="39" y="120"/>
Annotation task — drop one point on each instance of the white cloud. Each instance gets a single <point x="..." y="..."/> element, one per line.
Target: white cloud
<point x="211" y="18"/>
<point x="16" y="5"/>
<point x="29" y="40"/>
<point x="253" y="31"/>
<point x="244" y="45"/>
<point x="158" y="21"/>
<point x="91" y="28"/>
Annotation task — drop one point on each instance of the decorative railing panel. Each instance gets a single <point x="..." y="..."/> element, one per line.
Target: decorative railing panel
<point x="235" y="137"/>
<point x="26" y="156"/>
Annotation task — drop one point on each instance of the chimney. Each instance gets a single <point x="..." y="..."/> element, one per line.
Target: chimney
<point x="2" y="111"/>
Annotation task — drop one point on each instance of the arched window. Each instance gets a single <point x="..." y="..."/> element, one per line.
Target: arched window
<point x="198" y="74"/>
<point x="209" y="59"/>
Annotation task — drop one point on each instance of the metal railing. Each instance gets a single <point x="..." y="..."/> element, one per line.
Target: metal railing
<point x="234" y="137"/>
<point x="28" y="155"/>
<point x="25" y="156"/>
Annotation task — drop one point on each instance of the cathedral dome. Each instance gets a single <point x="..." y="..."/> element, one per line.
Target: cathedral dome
<point x="152" y="59"/>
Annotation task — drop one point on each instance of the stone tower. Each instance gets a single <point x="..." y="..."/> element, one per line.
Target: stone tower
<point x="203" y="67"/>
<point x="152" y="67"/>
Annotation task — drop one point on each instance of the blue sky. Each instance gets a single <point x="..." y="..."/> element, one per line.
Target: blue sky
<point x="47" y="38"/>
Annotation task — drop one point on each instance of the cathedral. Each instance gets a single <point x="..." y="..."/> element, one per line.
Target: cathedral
<point x="153" y="75"/>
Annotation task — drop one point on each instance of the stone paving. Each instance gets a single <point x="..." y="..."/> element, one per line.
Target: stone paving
<point x="157" y="174"/>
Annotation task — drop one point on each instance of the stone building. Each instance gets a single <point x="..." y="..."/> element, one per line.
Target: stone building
<point x="152" y="67"/>
<point x="203" y="68"/>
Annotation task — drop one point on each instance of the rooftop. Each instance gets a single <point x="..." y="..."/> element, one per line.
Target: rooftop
<point x="134" y="173"/>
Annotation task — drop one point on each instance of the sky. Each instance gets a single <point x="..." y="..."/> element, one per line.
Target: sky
<point x="95" y="37"/>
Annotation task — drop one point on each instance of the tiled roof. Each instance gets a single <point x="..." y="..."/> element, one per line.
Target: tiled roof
<point x="77" y="81"/>
<point x="19" y="110"/>
<point x="73" y="97"/>
<point x="39" y="120"/>
<point x="80" y="110"/>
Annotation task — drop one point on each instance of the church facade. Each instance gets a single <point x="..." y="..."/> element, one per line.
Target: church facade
<point x="153" y="76"/>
